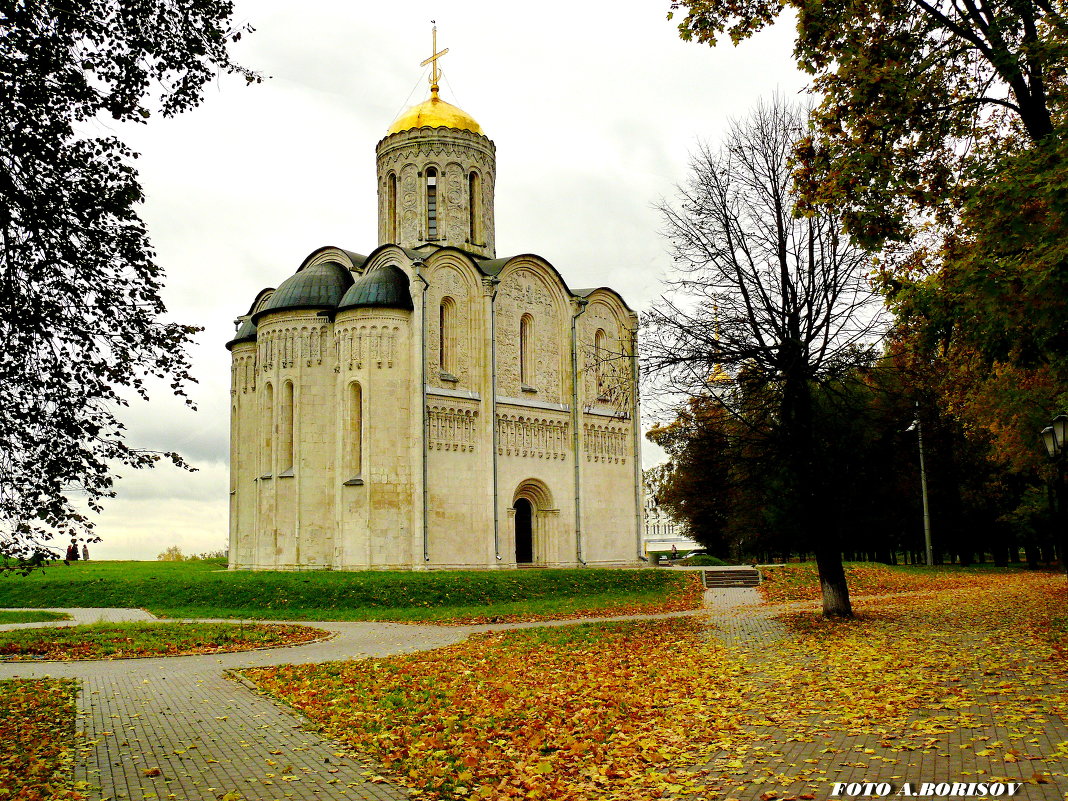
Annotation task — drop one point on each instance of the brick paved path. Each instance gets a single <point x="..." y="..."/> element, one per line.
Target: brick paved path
<point x="209" y="735"/>
<point x="937" y="745"/>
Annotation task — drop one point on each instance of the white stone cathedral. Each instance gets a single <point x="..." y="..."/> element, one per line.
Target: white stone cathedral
<point x="431" y="405"/>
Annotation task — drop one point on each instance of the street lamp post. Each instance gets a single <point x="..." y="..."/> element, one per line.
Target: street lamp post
<point x="918" y="428"/>
<point x="1055" y="438"/>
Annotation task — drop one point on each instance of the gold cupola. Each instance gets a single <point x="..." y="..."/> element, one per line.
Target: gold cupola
<point x="435" y="113"/>
<point x="436" y="172"/>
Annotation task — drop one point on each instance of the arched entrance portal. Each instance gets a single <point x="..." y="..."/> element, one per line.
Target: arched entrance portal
<point x="534" y="524"/>
<point x="524" y="532"/>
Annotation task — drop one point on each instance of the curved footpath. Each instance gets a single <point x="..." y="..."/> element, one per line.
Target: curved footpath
<point x="177" y="728"/>
<point x="207" y="735"/>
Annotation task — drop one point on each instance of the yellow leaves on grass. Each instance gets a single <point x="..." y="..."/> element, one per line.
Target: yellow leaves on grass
<point x="37" y="733"/>
<point x="590" y="712"/>
<point x="138" y="639"/>
<point x="663" y="708"/>
<point x="799" y="582"/>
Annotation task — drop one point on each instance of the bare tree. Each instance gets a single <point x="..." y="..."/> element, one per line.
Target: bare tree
<point x="778" y="302"/>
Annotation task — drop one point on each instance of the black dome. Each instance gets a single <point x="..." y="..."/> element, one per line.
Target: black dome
<point x="320" y="286"/>
<point x="246" y="332"/>
<point x="384" y="287"/>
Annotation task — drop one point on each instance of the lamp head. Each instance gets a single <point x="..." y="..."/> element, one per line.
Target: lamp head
<point x="1049" y="439"/>
<point x="1060" y="430"/>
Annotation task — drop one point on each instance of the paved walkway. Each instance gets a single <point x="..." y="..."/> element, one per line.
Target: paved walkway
<point x="944" y="745"/>
<point x="177" y="727"/>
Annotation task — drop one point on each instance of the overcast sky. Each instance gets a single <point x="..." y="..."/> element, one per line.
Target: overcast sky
<point x="594" y="108"/>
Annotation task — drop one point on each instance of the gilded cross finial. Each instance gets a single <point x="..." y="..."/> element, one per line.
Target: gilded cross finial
<point x="435" y="72"/>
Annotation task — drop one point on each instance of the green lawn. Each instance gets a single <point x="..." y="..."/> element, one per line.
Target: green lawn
<point x="207" y="589"/>
<point x="26" y="616"/>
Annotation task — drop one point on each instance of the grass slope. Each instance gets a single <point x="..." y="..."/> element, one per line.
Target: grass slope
<point x="207" y="589"/>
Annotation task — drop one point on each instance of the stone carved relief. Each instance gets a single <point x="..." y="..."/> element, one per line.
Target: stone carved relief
<point x="244" y="374"/>
<point x="288" y="345"/>
<point x="409" y="223"/>
<point x="524" y="292"/>
<point x="367" y="345"/>
<point x="459" y="158"/>
<point x="455" y="204"/>
<point x="605" y="443"/>
<point x="606" y="370"/>
<point x="452" y="427"/>
<point x="447" y="281"/>
<point x="532" y="436"/>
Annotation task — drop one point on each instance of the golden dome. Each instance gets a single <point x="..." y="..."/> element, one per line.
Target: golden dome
<point x="435" y="113"/>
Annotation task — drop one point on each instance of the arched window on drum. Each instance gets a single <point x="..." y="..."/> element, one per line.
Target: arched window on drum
<point x="431" y="203"/>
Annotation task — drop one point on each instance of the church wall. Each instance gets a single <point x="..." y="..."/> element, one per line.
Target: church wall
<point x="315" y="444"/>
<point x="609" y="527"/>
<point x="377" y="505"/>
<point x="608" y="457"/>
<point x="243" y="437"/>
<point x="530" y="291"/>
<point x="460" y="498"/>
<point x="534" y="447"/>
<point x="296" y="408"/>
<point x="454" y="282"/>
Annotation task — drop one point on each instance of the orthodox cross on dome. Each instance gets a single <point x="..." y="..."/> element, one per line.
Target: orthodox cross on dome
<point x="435" y="72"/>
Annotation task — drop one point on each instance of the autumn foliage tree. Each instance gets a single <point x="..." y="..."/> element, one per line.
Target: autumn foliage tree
<point x="941" y="132"/>
<point x="81" y="318"/>
<point x="696" y="485"/>
<point x="779" y="302"/>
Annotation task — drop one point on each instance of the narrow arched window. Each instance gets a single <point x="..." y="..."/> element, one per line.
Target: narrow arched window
<point x="447" y="335"/>
<point x="431" y="203"/>
<point x="526" y="352"/>
<point x="355" y="430"/>
<point x="391" y="207"/>
<point x="285" y="444"/>
<point x="600" y="348"/>
<point x="267" y="423"/>
<point x="474" y="195"/>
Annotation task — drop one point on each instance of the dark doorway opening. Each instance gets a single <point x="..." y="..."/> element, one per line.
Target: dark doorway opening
<point x="524" y="531"/>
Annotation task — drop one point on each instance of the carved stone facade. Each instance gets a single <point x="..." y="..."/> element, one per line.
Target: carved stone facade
<point x="465" y="217"/>
<point x="429" y="405"/>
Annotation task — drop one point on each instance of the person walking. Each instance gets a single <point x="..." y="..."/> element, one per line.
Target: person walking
<point x="85" y="552"/>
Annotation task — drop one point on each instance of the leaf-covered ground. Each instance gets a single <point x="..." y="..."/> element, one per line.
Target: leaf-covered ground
<point x="800" y="582"/>
<point x="946" y="685"/>
<point x="37" y="739"/>
<point x="126" y="640"/>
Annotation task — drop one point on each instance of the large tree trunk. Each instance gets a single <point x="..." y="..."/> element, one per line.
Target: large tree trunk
<point x="800" y="449"/>
<point x="833" y="583"/>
